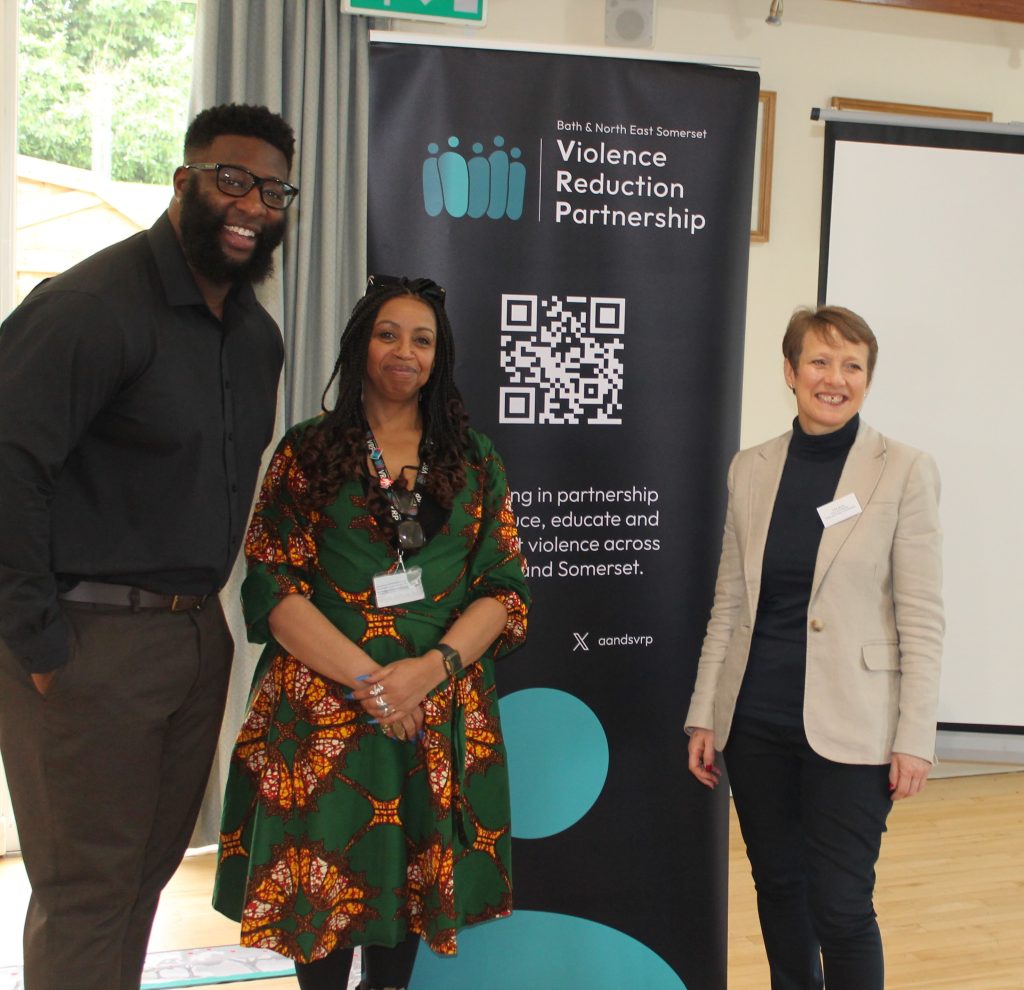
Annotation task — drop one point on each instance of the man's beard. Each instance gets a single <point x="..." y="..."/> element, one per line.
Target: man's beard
<point x="200" y="235"/>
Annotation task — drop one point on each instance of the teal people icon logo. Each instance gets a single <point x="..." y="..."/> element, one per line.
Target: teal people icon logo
<point x="491" y="185"/>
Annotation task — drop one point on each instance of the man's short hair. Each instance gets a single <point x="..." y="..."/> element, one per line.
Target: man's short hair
<point x="243" y="119"/>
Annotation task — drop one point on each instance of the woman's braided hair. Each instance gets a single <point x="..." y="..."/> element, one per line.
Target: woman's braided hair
<point x="333" y="449"/>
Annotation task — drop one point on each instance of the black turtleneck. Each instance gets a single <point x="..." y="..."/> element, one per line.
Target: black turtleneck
<point x="773" y="686"/>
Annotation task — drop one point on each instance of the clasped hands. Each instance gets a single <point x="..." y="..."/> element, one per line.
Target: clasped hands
<point x="394" y="695"/>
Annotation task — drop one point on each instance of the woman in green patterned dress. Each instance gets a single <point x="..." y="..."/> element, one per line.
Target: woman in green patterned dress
<point x="367" y="802"/>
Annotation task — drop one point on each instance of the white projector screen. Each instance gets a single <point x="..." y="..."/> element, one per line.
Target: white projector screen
<point x="923" y="235"/>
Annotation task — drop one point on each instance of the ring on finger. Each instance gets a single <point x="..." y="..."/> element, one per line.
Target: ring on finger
<point x="399" y="732"/>
<point x="385" y="709"/>
<point x="377" y="689"/>
<point x="381" y="702"/>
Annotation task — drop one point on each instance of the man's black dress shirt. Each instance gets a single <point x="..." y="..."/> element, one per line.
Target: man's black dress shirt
<point x="132" y="422"/>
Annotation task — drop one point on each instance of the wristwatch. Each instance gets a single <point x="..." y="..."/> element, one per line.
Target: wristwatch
<point x="450" y="658"/>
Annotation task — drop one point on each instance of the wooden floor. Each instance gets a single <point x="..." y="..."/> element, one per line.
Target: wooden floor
<point x="950" y="896"/>
<point x="950" y="892"/>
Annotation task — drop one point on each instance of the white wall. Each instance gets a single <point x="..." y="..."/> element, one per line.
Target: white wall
<point x="824" y="48"/>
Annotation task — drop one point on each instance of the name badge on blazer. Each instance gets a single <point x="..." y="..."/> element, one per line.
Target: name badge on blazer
<point x="841" y="509"/>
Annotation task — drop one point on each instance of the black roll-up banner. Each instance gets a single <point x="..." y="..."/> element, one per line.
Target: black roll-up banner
<point x="590" y="219"/>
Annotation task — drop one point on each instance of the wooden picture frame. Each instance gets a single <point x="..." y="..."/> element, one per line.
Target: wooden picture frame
<point x="764" y="147"/>
<point x="913" y="109"/>
<point x="1000" y="10"/>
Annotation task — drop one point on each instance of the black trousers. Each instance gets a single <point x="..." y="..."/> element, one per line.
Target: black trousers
<point x="384" y="968"/>
<point x="107" y="772"/>
<point x="813" y="830"/>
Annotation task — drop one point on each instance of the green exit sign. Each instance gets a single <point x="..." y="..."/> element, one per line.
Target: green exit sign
<point x="469" y="12"/>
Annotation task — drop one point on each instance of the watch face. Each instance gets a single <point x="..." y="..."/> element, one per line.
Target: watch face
<point x="451" y="659"/>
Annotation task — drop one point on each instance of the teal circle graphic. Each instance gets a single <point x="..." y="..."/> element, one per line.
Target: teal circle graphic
<point x="544" y="951"/>
<point x="453" y="142"/>
<point x="557" y="760"/>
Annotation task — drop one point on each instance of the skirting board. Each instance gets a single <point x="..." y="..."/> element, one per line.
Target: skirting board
<point x="983" y="747"/>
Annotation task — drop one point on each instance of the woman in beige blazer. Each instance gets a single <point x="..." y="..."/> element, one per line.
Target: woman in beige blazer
<point x="818" y="679"/>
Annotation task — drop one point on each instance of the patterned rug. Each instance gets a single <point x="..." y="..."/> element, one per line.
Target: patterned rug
<point x="197" y="968"/>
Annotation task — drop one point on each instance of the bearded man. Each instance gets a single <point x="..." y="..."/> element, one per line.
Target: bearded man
<point x="137" y="393"/>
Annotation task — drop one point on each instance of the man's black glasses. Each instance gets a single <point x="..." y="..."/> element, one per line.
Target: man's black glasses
<point x="233" y="180"/>
<point x="425" y="287"/>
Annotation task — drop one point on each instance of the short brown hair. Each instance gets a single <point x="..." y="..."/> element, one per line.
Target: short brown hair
<point x="824" y="321"/>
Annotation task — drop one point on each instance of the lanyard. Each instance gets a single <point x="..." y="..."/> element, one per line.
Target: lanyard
<point x="404" y="507"/>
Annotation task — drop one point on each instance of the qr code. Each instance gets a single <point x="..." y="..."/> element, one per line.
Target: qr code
<point x="562" y="357"/>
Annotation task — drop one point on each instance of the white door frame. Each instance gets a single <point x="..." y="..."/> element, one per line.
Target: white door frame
<point x="8" y="186"/>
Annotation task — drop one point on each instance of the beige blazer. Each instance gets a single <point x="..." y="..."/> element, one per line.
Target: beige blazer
<point x="874" y="620"/>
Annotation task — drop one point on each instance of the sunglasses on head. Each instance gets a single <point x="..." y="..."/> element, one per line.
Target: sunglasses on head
<point x="425" y="287"/>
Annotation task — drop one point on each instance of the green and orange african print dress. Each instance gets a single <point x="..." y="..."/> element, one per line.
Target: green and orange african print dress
<point x="334" y="834"/>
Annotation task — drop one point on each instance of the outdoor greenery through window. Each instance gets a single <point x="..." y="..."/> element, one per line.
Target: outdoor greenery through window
<point x="102" y="108"/>
<point x="104" y="84"/>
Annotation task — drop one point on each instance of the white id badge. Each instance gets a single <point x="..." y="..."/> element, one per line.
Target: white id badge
<point x="398" y="587"/>
<point x="840" y="510"/>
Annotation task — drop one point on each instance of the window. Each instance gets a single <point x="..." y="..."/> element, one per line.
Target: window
<point x="103" y="89"/>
